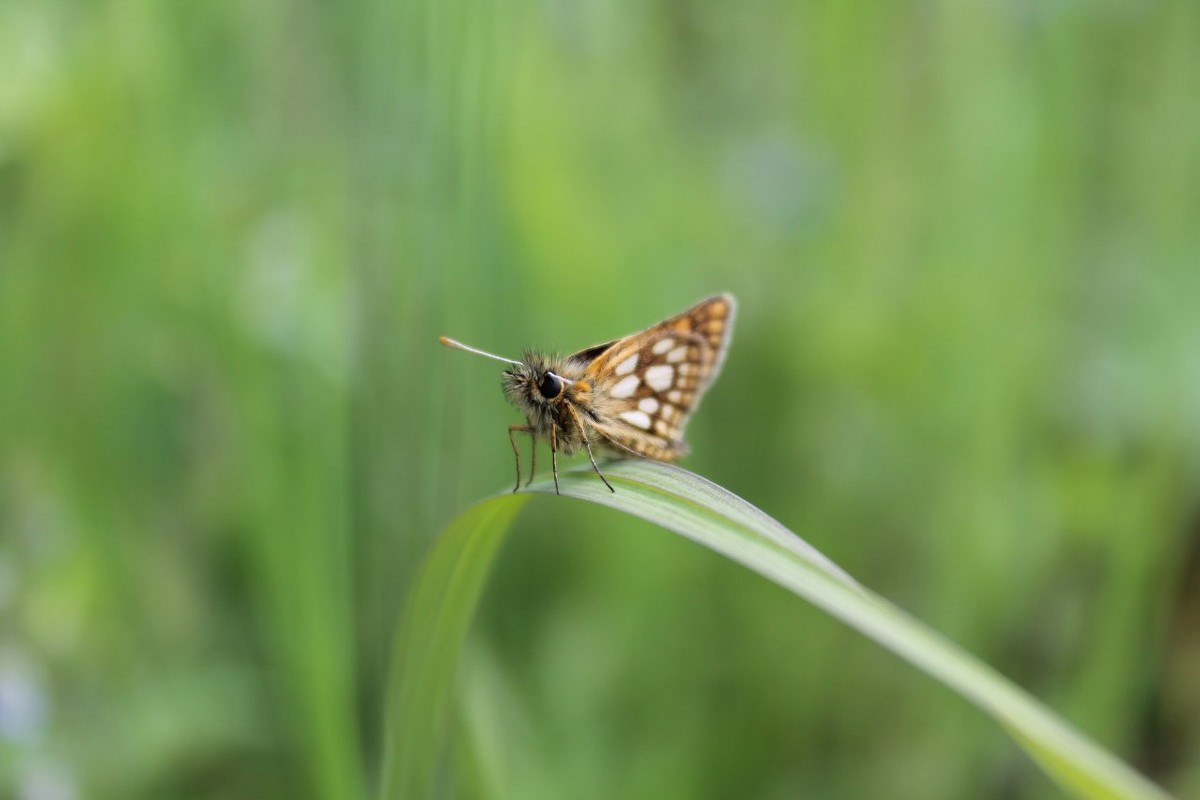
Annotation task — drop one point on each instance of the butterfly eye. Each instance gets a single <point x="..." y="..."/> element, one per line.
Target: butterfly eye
<point x="551" y="386"/>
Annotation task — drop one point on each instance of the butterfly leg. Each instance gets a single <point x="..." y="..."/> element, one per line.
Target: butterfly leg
<point x="517" y="453"/>
<point x="532" y="457"/>
<point x="588" y="445"/>
<point x="554" y="455"/>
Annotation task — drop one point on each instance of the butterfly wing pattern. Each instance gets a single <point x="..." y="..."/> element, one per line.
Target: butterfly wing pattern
<point x="645" y="386"/>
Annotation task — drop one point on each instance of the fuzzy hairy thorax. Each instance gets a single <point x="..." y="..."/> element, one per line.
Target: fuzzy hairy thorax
<point x="535" y="386"/>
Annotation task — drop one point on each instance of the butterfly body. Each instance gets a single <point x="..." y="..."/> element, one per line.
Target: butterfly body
<point x="631" y="396"/>
<point x="549" y="404"/>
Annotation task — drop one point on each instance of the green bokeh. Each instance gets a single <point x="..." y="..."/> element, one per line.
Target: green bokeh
<point x="966" y="243"/>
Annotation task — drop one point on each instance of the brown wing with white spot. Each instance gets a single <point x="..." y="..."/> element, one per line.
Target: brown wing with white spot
<point x="646" y="385"/>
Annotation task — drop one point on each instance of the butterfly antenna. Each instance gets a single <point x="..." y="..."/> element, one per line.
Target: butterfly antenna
<point x="446" y="340"/>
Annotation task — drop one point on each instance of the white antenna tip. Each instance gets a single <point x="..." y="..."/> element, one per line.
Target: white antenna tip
<point x="457" y="345"/>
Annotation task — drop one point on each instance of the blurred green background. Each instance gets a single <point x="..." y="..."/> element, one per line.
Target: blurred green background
<point x="966" y="242"/>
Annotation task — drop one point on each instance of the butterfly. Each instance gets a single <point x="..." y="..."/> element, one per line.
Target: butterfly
<point x="630" y="396"/>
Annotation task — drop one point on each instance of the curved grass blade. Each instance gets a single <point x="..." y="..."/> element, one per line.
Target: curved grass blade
<point x="709" y="515"/>
<point x="429" y="640"/>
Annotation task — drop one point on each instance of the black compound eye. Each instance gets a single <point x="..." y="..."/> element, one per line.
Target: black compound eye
<point x="551" y="386"/>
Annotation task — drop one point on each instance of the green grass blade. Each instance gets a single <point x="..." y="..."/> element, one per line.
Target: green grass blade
<point x="435" y="621"/>
<point x="429" y="641"/>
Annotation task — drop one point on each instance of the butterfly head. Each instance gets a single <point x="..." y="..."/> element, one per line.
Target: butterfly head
<point x="534" y="382"/>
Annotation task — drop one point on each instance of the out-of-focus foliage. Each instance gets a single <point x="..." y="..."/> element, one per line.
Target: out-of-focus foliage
<point x="967" y="366"/>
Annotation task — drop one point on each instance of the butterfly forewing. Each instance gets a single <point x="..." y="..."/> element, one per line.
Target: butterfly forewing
<point x="646" y="385"/>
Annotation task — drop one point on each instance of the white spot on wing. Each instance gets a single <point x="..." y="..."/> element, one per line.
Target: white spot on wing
<point x="678" y="354"/>
<point x="625" y="388"/>
<point x="648" y="404"/>
<point x="660" y="377"/>
<point x="627" y="366"/>
<point x="662" y="346"/>
<point x="638" y="419"/>
<point x="674" y="395"/>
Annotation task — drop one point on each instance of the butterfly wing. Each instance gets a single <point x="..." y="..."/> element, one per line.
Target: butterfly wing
<point x="645" y="386"/>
